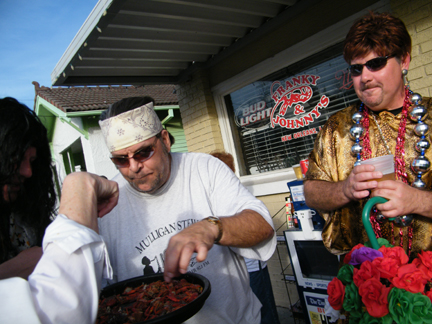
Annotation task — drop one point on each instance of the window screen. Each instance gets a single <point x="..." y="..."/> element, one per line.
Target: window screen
<point x="275" y="120"/>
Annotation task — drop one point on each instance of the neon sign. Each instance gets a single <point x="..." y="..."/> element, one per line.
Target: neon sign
<point x="253" y="113"/>
<point x="250" y="114"/>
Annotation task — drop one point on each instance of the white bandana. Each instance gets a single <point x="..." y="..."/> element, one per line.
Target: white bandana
<point x="130" y="127"/>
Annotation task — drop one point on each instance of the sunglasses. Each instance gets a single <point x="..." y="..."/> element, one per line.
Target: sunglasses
<point x="373" y="65"/>
<point x="140" y="156"/>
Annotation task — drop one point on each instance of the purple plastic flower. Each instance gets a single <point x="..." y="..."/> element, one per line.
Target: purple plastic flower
<point x="364" y="253"/>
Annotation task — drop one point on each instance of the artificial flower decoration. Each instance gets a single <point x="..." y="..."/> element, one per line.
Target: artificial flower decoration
<point x="382" y="286"/>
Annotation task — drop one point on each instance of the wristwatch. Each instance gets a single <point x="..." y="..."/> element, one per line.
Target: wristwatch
<point x="216" y="221"/>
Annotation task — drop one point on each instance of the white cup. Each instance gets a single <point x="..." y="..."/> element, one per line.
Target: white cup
<point x="384" y="164"/>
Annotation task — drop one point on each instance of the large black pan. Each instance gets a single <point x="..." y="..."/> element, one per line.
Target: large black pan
<point x="176" y="317"/>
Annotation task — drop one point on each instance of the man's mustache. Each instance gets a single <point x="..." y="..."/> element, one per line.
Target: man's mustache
<point x="370" y="86"/>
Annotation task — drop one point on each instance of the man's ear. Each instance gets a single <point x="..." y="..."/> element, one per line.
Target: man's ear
<point x="166" y="139"/>
<point x="406" y="61"/>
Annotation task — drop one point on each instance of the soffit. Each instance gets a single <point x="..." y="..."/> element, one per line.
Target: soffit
<point x="135" y="42"/>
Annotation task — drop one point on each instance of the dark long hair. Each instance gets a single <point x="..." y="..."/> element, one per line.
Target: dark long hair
<point x="20" y="129"/>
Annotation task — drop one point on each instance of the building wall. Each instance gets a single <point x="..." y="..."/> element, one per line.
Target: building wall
<point x="100" y="154"/>
<point x="198" y="112"/>
<point x="63" y="137"/>
<point x="417" y="16"/>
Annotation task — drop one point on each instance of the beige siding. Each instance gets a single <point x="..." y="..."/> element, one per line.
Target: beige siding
<point x="417" y="16"/>
<point x="199" y="115"/>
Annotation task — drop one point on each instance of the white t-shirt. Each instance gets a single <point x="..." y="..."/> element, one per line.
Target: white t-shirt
<point x="255" y="265"/>
<point x="138" y="229"/>
<point x="65" y="285"/>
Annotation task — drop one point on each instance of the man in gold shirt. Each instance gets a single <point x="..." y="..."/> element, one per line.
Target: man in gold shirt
<point x="378" y="49"/>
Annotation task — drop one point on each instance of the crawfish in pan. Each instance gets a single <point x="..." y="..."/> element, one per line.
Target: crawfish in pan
<point x="147" y="301"/>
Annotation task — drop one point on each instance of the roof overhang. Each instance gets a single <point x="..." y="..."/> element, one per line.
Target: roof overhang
<point x="138" y="42"/>
<point x="157" y="41"/>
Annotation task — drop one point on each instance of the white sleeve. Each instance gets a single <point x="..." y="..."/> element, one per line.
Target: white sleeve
<point x="228" y="197"/>
<point x="65" y="285"/>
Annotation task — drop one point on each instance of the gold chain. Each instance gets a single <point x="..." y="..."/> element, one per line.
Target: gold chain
<point x="381" y="133"/>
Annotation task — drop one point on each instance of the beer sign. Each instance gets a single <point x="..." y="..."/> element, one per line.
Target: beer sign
<point x="253" y="113"/>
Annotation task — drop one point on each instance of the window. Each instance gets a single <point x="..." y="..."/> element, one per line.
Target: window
<point x="276" y="119"/>
<point x="73" y="158"/>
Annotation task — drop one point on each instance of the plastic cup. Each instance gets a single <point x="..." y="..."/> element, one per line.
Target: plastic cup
<point x="298" y="171"/>
<point x="384" y="164"/>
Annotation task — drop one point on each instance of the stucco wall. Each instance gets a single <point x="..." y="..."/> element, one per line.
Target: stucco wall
<point x="94" y="149"/>
<point x="100" y="154"/>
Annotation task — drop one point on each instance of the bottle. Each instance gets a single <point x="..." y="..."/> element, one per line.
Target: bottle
<point x="289" y="213"/>
<point x="296" y="221"/>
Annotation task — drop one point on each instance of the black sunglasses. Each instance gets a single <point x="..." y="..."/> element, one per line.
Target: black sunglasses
<point x="140" y="156"/>
<point x="373" y="65"/>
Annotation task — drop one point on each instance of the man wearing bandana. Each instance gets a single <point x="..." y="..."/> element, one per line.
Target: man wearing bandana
<point x="392" y="120"/>
<point x="182" y="212"/>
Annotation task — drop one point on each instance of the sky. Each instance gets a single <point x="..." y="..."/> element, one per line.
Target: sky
<point x="33" y="37"/>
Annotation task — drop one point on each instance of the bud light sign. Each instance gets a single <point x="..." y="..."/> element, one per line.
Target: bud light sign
<point x="253" y="113"/>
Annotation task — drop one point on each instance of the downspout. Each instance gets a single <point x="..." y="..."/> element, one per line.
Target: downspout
<point x="169" y="117"/>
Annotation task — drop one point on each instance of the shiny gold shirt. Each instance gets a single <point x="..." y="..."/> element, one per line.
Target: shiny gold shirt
<point x="331" y="160"/>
